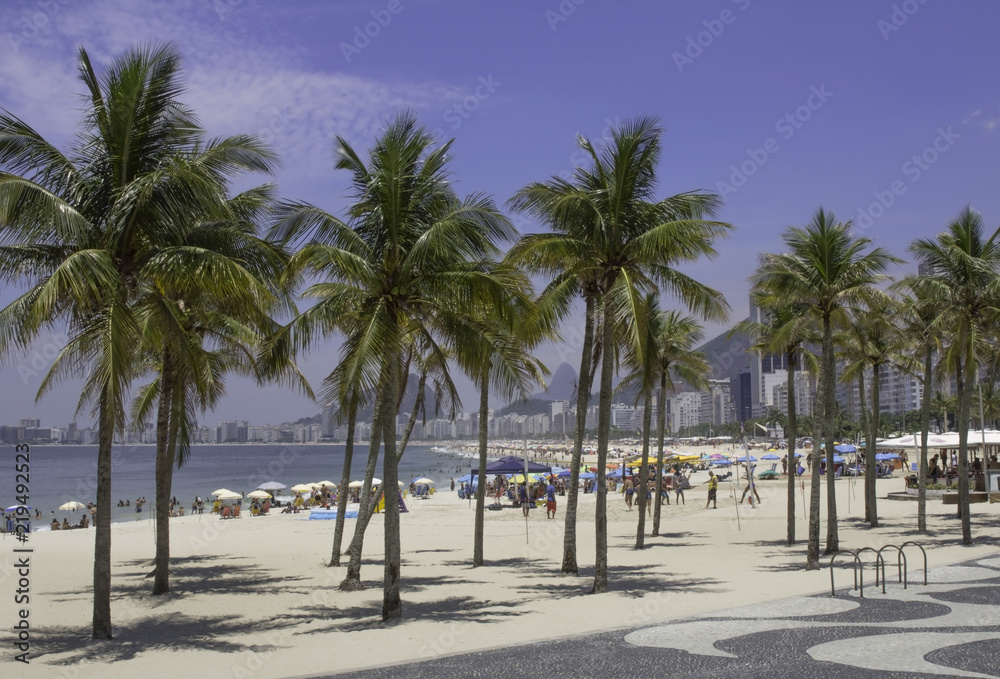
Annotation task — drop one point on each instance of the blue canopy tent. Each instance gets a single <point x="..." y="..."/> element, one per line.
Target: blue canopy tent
<point x="845" y="448"/>
<point x="513" y="464"/>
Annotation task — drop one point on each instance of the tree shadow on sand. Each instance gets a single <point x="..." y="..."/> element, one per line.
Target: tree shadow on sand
<point x="176" y="633"/>
<point x="323" y="619"/>
<point x="194" y="575"/>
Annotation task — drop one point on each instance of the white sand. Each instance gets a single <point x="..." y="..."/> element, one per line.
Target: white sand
<point x="253" y="597"/>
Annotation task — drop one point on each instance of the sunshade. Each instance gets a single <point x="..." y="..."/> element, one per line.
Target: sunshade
<point x="355" y="484"/>
<point x="770" y="456"/>
<point x="301" y="488"/>
<point x="328" y="484"/>
<point x="229" y="496"/>
<point x="423" y="481"/>
<point x="224" y="491"/>
<point x="259" y="495"/>
<point x="845" y="448"/>
<point x="272" y="485"/>
<point x="72" y="504"/>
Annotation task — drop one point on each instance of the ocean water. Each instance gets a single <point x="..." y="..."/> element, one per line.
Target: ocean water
<point x="59" y="474"/>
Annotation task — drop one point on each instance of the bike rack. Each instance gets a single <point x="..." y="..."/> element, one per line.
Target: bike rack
<point x="901" y="565"/>
<point x="918" y="546"/>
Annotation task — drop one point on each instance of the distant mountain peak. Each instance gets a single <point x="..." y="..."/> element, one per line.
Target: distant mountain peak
<point x="562" y="385"/>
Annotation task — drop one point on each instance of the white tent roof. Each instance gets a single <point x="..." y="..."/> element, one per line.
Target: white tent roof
<point x="949" y="439"/>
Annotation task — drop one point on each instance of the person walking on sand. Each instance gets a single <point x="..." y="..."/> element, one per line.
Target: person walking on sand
<point x="665" y="489"/>
<point x="713" y="488"/>
<point x="522" y="494"/>
<point x="679" y="486"/>
<point x="550" y="501"/>
<point x="629" y="492"/>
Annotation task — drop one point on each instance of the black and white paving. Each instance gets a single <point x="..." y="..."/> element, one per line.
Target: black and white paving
<point x="947" y="628"/>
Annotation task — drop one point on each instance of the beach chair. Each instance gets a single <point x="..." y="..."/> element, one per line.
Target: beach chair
<point x="236" y="511"/>
<point x="254" y="510"/>
<point x="226" y="513"/>
<point x="266" y="508"/>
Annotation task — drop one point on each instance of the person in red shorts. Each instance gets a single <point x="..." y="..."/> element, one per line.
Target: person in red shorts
<point x="550" y="501"/>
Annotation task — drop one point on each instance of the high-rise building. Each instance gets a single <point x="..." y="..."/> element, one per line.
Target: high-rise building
<point x="766" y="371"/>
<point x="742" y="395"/>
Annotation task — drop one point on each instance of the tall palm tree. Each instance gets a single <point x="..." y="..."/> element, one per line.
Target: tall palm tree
<point x="964" y="261"/>
<point x="82" y="231"/>
<point x="826" y="269"/>
<point x="611" y="233"/>
<point x="500" y="363"/>
<point x="876" y="343"/>
<point x="786" y="328"/>
<point x="412" y="260"/>
<point x="668" y="352"/>
<point x="920" y="315"/>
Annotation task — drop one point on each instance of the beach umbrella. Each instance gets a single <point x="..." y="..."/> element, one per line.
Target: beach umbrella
<point x="746" y="458"/>
<point x="328" y="484"/>
<point x="71" y="505"/>
<point x="224" y="491"/>
<point x="355" y="484"/>
<point x="770" y="456"/>
<point x="259" y="495"/>
<point x="303" y="488"/>
<point x="376" y="482"/>
<point x="837" y="459"/>
<point x="271" y="485"/>
<point x="423" y="481"/>
<point x="845" y="448"/>
<point x="228" y="495"/>
<point x="16" y="507"/>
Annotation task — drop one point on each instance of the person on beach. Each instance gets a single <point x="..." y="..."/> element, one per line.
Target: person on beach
<point x="665" y="489"/>
<point x="629" y="492"/>
<point x="65" y="524"/>
<point x="650" y="489"/>
<point x="679" y="486"/>
<point x="55" y="524"/>
<point x="453" y="483"/>
<point x="751" y="487"/>
<point x="522" y="495"/>
<point x="713" y="488"/>
<point x="550" y="501"/>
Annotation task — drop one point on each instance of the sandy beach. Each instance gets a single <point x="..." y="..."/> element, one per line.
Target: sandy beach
<point x="253" y="597"/>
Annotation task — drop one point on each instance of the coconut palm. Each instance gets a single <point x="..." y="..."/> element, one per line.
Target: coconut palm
<point x="786" y="328"/>
<point x="611" y="233"/>
<point x="411" y="261"/>
<point x="920" y="315"/>
<point x="963" y="261"/>
<point x="826" y="269"/>
<point x="500" y="363"/>
<point x="668" y="352"/>
<point x="876" y="342"/>
<point x="83" y="231"/>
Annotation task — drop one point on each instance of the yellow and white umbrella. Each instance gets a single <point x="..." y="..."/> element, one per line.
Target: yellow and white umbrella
<point x="301" y="488"/>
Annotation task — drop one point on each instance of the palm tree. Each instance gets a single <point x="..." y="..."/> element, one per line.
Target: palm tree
<point x="786" y="328"/>
<point x="876" y="343"/>
<point x="964" y="263"/>
<point x="500" y="363"/>
<point x="413" y="260"/>
<point x="668" y="352"/>
<point x="613" y="235"/>
<point x="83" y="230"/>
<point x="826" y="270"/>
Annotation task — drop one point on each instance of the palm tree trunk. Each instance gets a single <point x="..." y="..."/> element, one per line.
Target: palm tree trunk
<point x="647" y="417"/>
<point x="925" y="426"/>
<point x="484" y="412"/>
<point x="964" y="384"/>
<point x="661" y="423"/>
<point x="603" y="433"/>
<point x="164" y="472"/>
<point x="830" y="406"/>
<point x="102" y="522"/>
<point x="352" y="581"/>
<point x="582" y="399"/>
<point x="812" y="551"/>
<point x="791" y="432"/>
<point x="392" y="606"/>
<point x="345" y="479"/>
<point x="418" y="402"/>
<point x="865" y="427"/>
<point x="871" y="509"/>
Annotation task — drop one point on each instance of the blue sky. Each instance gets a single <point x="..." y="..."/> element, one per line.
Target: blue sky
<point x="886" y="112"/>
